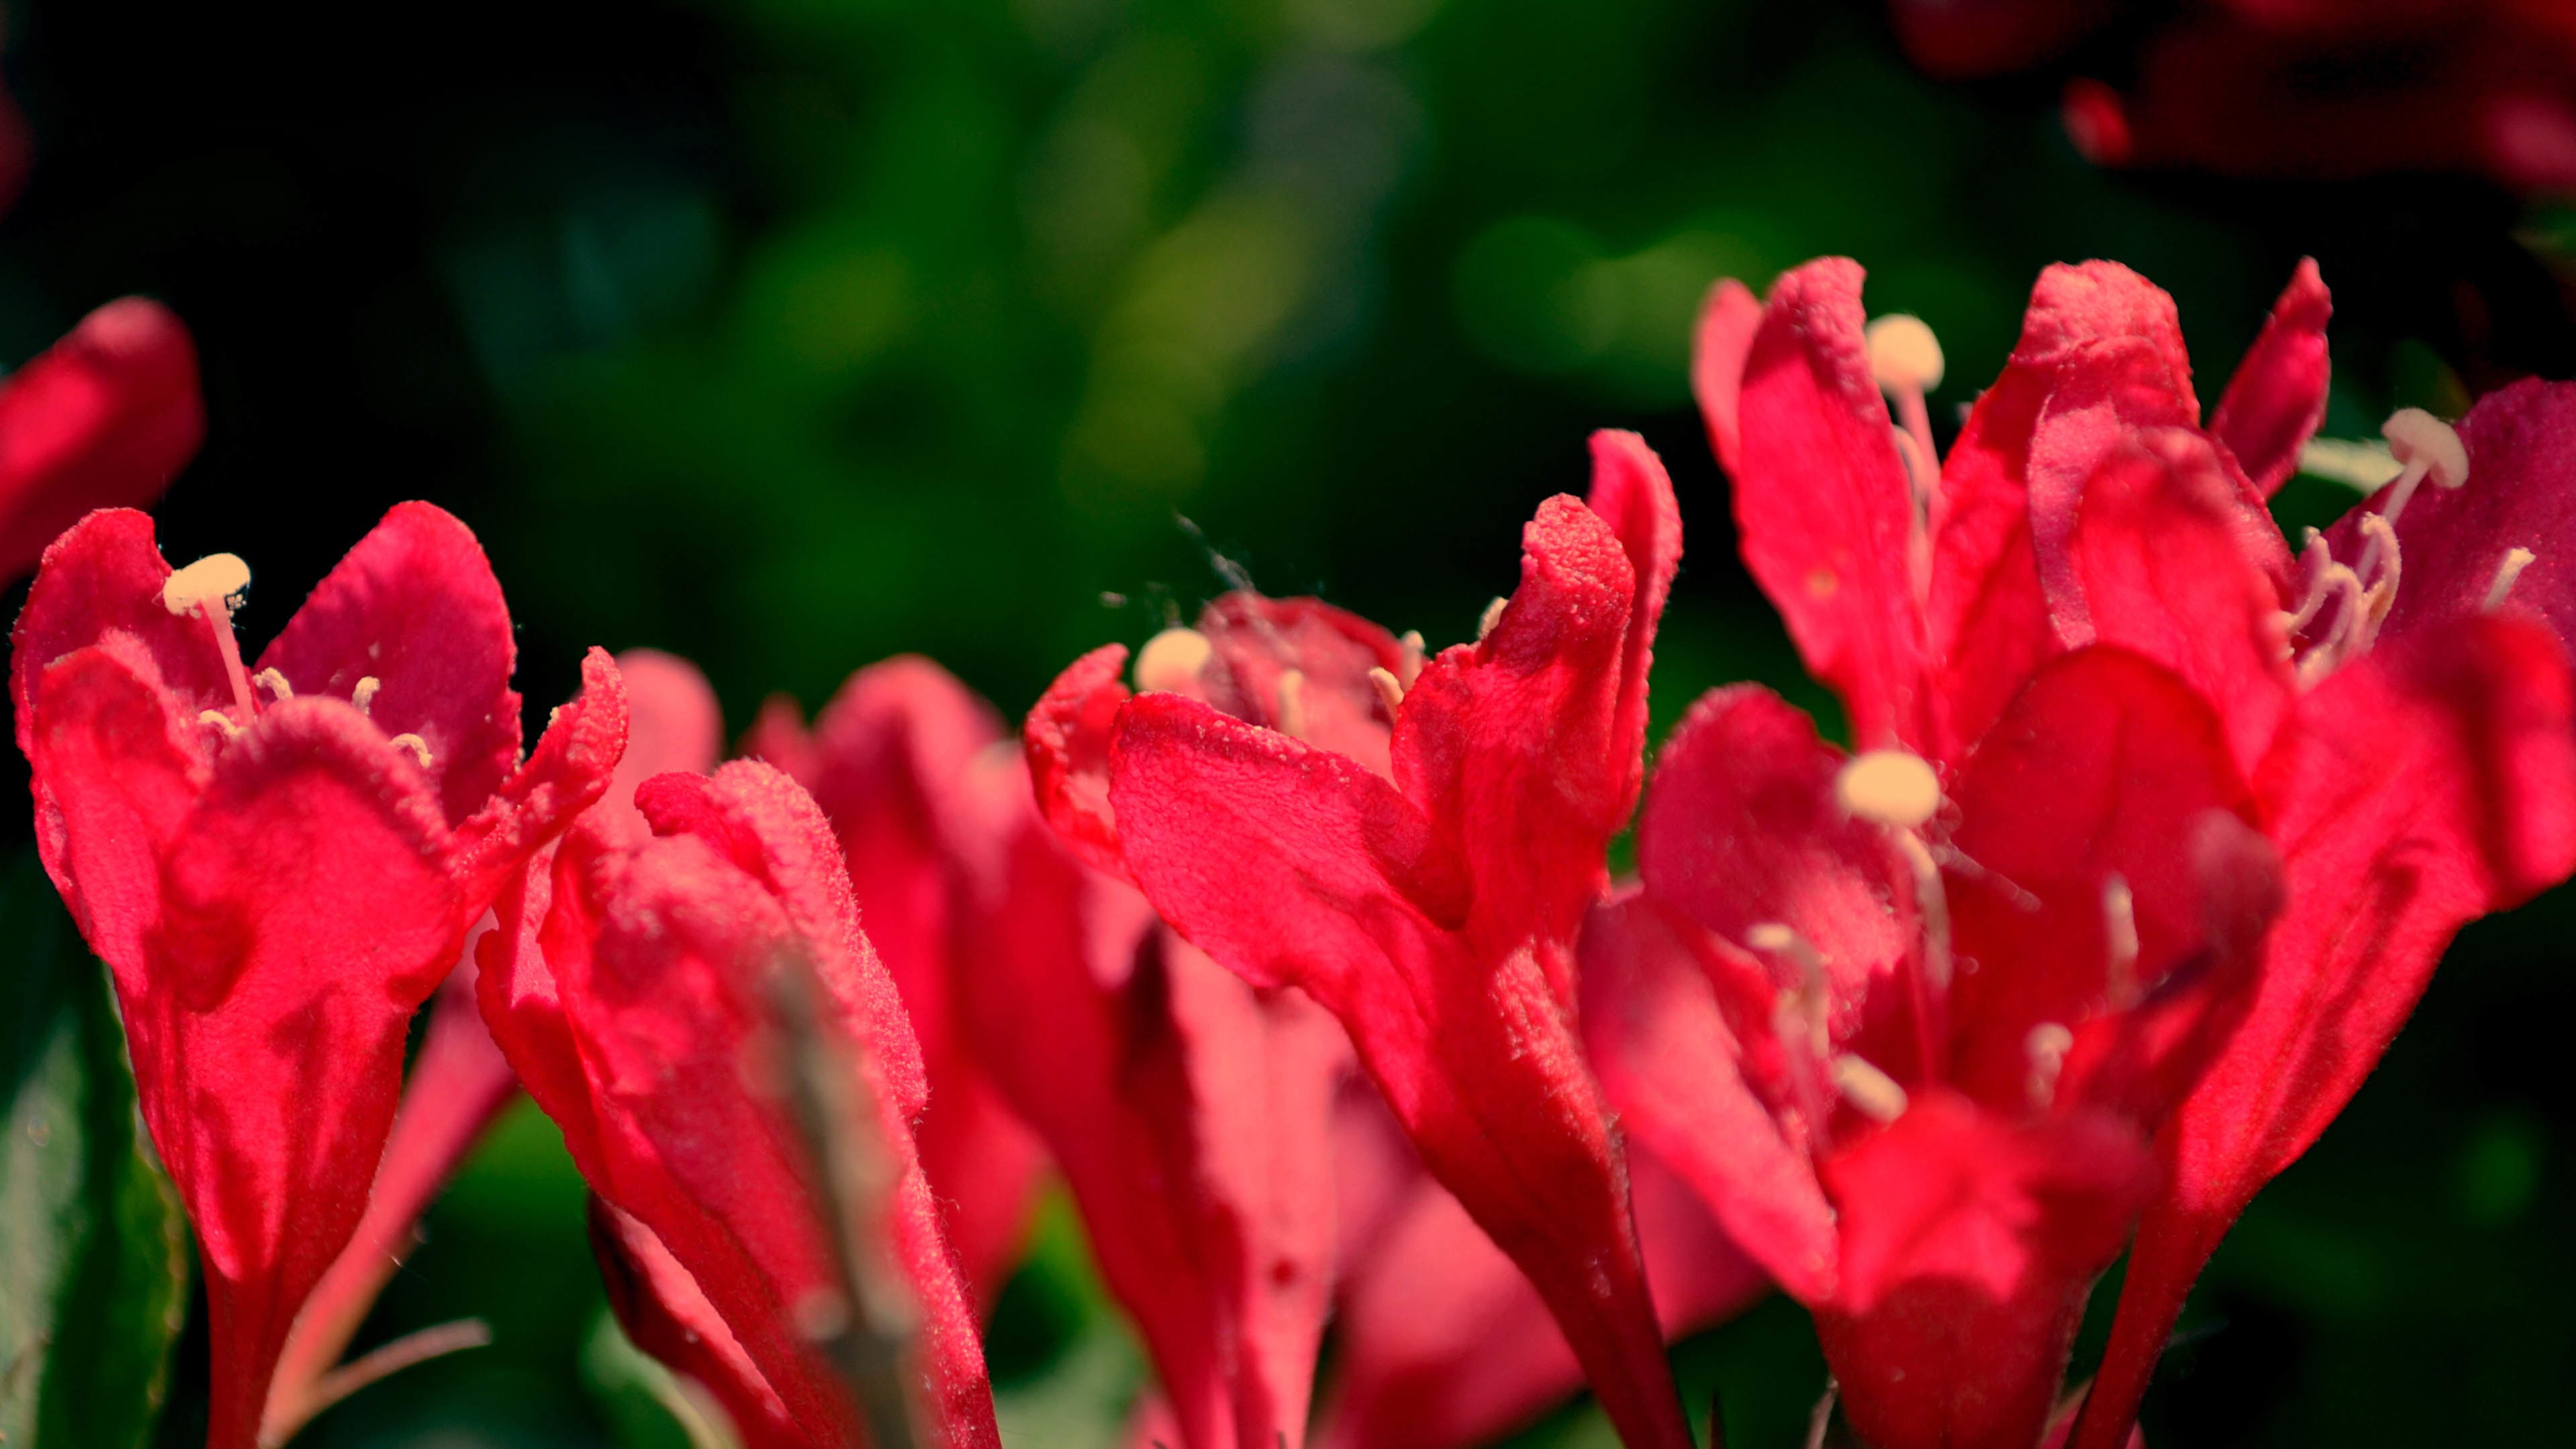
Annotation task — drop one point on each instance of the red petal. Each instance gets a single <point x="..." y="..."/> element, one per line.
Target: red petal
<point x="1669" y="1067"/>
<point x="2420" y="787"/>
<point x="2521" y="493"/>
<point x="889" y="762"/>
<point x="2104" y="768"/>
<point x="1724" y="339"/>
<point x="307" y="912"/>
<point x="1187" y="1110"/>
<point x="672" y="721"/>
<point x="1294" y="866"/>
<point x="2278" y="395"/>
<point x="1742" y="829"/>
<point x="2100" y="356"/>
<point x="1632" y="492"/>
<point x="1968" y="1244"/>
<point x="415" y="607"/>
<point x="2156" y="560"/>
<point x="1822" y="503"/>
<point x="104" y="577"/>
<point x="1512" y="748"/>
<point x="1256" y="641"/>
<point x="104" y="418"/>
<point x="574" y="761"/>
<point x="667" y="1315"/>
<point x="1068" y="738"/>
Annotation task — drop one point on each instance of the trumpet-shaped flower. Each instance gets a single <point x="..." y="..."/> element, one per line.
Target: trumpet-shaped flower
<point x="1913" y="1017"/>
<point x="1414" y="844"/>
<point x="633" y="983"/>
<point x="279" y="864"/>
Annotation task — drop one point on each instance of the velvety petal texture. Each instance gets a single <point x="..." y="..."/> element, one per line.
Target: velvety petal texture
<point x="275" y="882"/>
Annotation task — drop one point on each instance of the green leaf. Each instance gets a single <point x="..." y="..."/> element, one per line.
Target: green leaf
<point x="93" y="1250"/>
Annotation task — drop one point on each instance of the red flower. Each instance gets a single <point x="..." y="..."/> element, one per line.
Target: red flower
<point x="887" y="761"/>
<point x="1442" y="1343"/>
<point x="461" y="1082"/>
<point x="2086" y="673"/>
<point x="1414" y="844"/>
<point x="628" y="985"/>
<point x="104" y="419"/>
<point x="2267" y="88"/>
<point x="1188" y="1111"/>
<point x="276" y="886"/>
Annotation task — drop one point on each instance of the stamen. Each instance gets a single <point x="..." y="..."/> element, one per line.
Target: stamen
<point x="1389" y="692"/>
<point x="2427" y="446"/>
<point x="1891" y="787"/>
<point x="1171" y="661"/>
<point x="1413" y="654"/>
<point x="216" y="578"/>
<point x="219" y="718"/>
<point x="364" y="696"/>
<point x="2046" y="1046"/>
<point x="2355" y="463"/>
<point x="1801" y="1019"/>
<point x="2120" y="924"/>
<point x="1873" y="1093"/>
<point x="1493" y="615"/>
<point x="1934" y="903"/>
<point x="2500" y="587"/>
<point x="2382" y="595"/>
<point x="1905" y="359"/>
<point x="211" y="586"/>
<point x="275" y="683"/>
<point x="1292" y="704"/>
<point x="2318" y="556"/>
<point x="418" y="747"/>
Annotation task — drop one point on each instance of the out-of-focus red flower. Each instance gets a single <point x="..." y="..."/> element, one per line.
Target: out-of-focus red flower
<point x="1948" y="987"/>
<point x="104" y="418"/>
<point x="630" y="982"/>
<point x="461" y="1081"/>
<point x="888" y="760"/>
<point x="280" y="864"/>
<point x="2319" y="88"/>
<point x="1414" y="844"/>
<point x="1442" y="1343"/>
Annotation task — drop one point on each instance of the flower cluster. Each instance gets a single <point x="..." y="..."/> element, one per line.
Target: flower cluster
<point x="1292" y="944"/>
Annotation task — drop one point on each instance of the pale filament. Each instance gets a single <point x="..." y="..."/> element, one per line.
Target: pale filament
<point x="2508" y="569"/>
<point x="1801" y="1022"/>
<point x="2429" y="449"/>
<point x="2120" y="925"/>
<point x="1390" y="691"/>
<point x="1899" y="791"/>
<point x="415" y="745"/>
<point x="1413" y="652"/>
<point x="1493" y="615"/>
<point x="2046" y="1047"/>
<point x="210" y="587"/>
<point x="1873" y="1093"/>
<point x="275" y="683"/>
<point x="1292" y="704"/>
<point x="1905" y="361"/>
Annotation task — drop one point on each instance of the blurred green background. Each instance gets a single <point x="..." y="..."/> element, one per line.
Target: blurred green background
<point x="788" y="334"/>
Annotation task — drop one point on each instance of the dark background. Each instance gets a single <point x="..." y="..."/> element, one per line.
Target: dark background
<point x="789" y="334"/>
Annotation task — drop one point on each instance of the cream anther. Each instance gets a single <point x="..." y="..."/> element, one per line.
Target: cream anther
<point x="1493" y="615"/>
<point x="216" y="578"/>
<point x="364" y="696"/>
<point x="1890" y="787"/>
<point x="1413" y="652"/>
<point x="1172" y="660"/>
<point x="1389" y="692"/>
<point x="2120" y="925"/>
<point x="1292" y="704"/>
<point x="275" y="683"/>
<point x="220" y="720"/>
<point x="1873" y="1093"/>
<point x="2508" y="569"/>
<point x="418" y="747"/>
<point x="2046" y="1047"/>
<point x="2427" y="446"/>
<point x="1903" y="353"/>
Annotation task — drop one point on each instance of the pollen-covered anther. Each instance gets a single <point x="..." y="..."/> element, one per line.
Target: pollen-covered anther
<point x="2046" y="1047"/>
<point x="1410" y="665"/>
<point x="1492" y="616"/>
<point x="1903" y="353"/>
<point x="215" y="579"/>
<point x="2428" y="446"/>
<point x="2508" y="569"/>
<point x="219" y="720"/>
<point x="275" y="683"/>
<point x="1390" y="691"/>
<point x="1890" y="787"/>
<point x="1292" y="704"/>
<point x="1171" y="661"/>
<point x="1872" y="1093"/>
<point x="364" y="696"/>
<point x="417" y="747"/>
